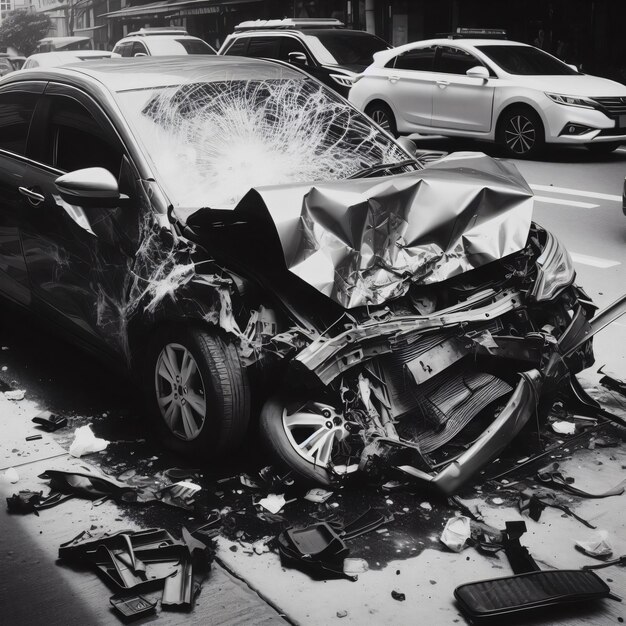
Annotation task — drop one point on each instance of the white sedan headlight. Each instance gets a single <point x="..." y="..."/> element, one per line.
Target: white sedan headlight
<point x="573" y="101"/>
<point x="555" y="270"/>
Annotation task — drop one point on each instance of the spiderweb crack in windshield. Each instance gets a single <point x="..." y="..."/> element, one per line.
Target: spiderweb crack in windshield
<point x="213" y="141"/>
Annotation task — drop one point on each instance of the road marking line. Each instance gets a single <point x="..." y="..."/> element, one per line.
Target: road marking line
<point x="594" y="261"/>
<point x="576" y="192"/>
<point x="572" y="203"/>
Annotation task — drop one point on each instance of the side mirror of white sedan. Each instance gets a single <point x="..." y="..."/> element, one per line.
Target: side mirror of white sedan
<point x="480" y="71"/>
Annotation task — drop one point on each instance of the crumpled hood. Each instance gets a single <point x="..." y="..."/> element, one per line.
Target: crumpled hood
<point x="365" y="241"/>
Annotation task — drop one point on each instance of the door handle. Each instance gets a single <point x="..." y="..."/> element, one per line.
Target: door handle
<point x="442" y="84"/>
<point x="33" y="197"/>
<point x="393" y="79"/>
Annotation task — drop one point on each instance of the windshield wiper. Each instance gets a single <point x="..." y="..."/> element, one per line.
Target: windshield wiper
<point x="384" y="167"/>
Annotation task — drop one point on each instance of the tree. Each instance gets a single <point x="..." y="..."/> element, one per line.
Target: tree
<point x="22" y="30"/>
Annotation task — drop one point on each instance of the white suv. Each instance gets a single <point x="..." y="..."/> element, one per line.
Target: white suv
<point x="494" y="90"/>
<point x="161" y="42"/>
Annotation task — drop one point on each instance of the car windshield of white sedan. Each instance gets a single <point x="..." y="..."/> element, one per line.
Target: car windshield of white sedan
<point x="211" y="142"/>
<point x="526" y="61"/>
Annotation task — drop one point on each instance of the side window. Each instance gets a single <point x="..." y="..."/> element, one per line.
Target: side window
<point x="238" y="47"/>
<point x="421" y="59"/>
<point x="5" y="66"/>
<point x="75" y="140"/>
<point x="291" y="44"/>
<point x="16" y="112"/>
<point x="263" y="47"/>
<point x="124" y="48"/>
<point x="455" y="61"/>
<point x="138" y="48"/>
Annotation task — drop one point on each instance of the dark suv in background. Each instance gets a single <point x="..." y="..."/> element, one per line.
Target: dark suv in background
<point x="322" y="47"/>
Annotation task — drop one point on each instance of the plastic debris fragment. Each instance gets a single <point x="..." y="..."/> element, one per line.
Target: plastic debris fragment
<point x="273" y="502"/>
<point x="456" y="533"/>
<point x="396" y="595"/>
<point x="15" y="394"/>
<point x="597" y="545"/>
<point x="85" y="442"/>
<point x="318" y="495"/>
<point x="564" y="428"/>
<point x="49" y="422"/>
<point x="10" y="476"/>
<point x="24" y="502"/>
<point x="181" y="494"/>
<point x="132" y="608"/>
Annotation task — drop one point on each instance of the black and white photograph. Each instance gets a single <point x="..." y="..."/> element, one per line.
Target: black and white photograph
<point x="312" y="312"/>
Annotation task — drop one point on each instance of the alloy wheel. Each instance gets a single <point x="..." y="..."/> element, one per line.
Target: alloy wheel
<point x="382" y="119"/>
<point x="520" y="134"/>
<point x="180" y="391"/>
<point x="314" y="431"/>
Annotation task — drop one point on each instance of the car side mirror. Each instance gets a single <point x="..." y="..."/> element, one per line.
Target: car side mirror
<point x="90" y="187"/>
<point x="479" y="71"/>
<point x="140" y="54"/>
<point x="572" y="67"/>
<point x="297" y="58"/>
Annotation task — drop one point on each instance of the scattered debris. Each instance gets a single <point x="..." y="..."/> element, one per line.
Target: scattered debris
<point x="342" y="614"/>
<point x="133" y="607"/>
<point x="83" y="485"/>
<point x="618" y="561"/>
<point x="182" y="495"/>
<point x="10" y="476"/>
<point x="316" y="550"/>
<point x="49" y="421"/>
<point x="552" y="476"/>
<point x="597" y="545"/>
<point x="15" y="394"/>
<point x="396" y="595"/>
<point x="427" y="506"/>
<point x="24" y="502"/>
<point x="610" y="381"/>
<point x="527" y="593"/>
<point x="33" y="437"/>
<point x="564" y="428"/>
<point x="456" y="533"/>
<point x="85" y="442"/>
<point x="318" y="495"/>
<point x="518" y="555"/>
<point x="273" y="502"/>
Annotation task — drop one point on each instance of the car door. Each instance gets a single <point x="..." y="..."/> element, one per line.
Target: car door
<point x="77" y="257"/>
<point x="461" y="102"/>
<point x="410" y="85"/>
<point x="17" y="105"/>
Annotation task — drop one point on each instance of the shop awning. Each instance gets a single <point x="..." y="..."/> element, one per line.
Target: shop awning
<point x="173" y="7"/>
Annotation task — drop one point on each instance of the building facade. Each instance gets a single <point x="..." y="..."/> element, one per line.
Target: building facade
<point x="584" y="32"/>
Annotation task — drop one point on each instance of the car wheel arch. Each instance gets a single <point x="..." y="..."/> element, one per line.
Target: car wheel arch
<point x="520" y="104"/>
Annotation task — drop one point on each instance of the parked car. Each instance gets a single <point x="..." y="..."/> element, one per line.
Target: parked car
<point x="234" y="234"/>
<point x="161" y="42"/>
<point x="503" y="91"/>
<point x="5" y="65"/>
<point x="51" y="44"/>
<point x="322" y="47"/>
<point x="53" y="59"/>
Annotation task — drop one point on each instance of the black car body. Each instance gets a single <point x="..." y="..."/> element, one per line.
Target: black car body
<point x="332" y="54"/>
<point x="369" y="309"/>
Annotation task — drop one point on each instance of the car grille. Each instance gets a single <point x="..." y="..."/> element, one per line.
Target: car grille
<point x="614" y="106"/>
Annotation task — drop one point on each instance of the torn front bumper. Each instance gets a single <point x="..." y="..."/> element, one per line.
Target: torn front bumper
<point x="521" y="405"/>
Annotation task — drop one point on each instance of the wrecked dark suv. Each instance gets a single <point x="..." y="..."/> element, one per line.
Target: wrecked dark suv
<point x="250" y="247"/>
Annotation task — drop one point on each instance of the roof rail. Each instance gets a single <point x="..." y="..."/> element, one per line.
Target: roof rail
<point x="159" y="30"/>
<point x="290" y="22"/>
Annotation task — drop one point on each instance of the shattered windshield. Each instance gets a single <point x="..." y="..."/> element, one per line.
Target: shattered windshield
<point x="212" y="141"/>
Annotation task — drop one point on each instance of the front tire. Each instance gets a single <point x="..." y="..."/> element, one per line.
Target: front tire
<point x="307" y="438"/>
<point x="383" y="116"/>
<point x="197" y="391"/>
<point x="520" y="133"/>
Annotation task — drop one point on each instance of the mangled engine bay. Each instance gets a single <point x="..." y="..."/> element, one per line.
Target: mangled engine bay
<point x="415" y="321"/>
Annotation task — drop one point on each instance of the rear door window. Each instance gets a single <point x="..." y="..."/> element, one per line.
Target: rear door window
<point x="264" y="47"/>
<point x="16" y="113"/>
<point x="421" y="59"/>
<point x="138" y="48"/>
<point x="455" y="61"/>
<point x="124" y="49"/>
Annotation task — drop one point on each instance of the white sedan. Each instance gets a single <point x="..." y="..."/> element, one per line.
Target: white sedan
<point x="493" y="90"/>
